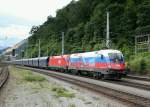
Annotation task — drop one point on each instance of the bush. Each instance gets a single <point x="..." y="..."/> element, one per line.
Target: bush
<point x="140" y="63"/>
<point x="147" y="60"/>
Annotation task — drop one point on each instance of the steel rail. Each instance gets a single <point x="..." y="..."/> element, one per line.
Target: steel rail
<point x="138" y="78"/>
<point x="3" y="76"/>
<point x="131" y="84"/>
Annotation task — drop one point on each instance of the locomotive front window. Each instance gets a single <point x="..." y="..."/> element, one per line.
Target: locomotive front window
<point x="115" y="57"/>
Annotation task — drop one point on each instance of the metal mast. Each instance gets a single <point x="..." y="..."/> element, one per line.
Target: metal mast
<point x="62" y="43"/>
<point x="107" y="34"/>
<point x="27" y="47"/>
<point x="39" y="48"/>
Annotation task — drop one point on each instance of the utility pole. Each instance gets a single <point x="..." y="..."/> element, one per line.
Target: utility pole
<point x="148" y="43"/>
<point x="47" y="50"/>
<point x="39" y="48"/>
<point x="135" y="44"/>
<point x="107" y="34"/>
<point x="27" y="47"/>
<point x="62" y="43"/>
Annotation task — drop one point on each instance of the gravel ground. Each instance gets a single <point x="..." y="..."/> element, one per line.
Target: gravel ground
<point x="48" y="92"/>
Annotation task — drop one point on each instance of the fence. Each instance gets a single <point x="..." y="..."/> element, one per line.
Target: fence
<point x="142" y="43"/>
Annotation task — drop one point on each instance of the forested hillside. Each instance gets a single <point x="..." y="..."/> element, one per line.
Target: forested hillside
<point x="84" y="24"/>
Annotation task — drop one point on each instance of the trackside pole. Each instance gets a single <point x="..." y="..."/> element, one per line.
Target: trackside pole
<point x="107" y="34"/>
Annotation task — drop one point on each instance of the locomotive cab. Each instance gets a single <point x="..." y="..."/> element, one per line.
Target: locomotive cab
<point x="116" y="61"/>
<point x="116" y="64"/>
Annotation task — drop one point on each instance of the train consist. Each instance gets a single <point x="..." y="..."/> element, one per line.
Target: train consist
<point x="107" y="63"/>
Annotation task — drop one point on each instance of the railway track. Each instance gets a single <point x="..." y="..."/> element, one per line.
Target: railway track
<point x="138" y="78"/>
<point x="131" y="84"/>
<point x="132" y="96"/>
<point x="4" y="74"/>
<point x="125" y="82"/>
<point x="145" y="85"/>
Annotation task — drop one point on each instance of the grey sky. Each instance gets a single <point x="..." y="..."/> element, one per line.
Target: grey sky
<point x="18" y="16"/>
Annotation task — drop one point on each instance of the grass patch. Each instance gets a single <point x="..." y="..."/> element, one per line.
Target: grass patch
<point x="62" y="92"/>
<point x="27" y="75"/>
<point x="72" y="105"/>
<point x="32" y="78"/>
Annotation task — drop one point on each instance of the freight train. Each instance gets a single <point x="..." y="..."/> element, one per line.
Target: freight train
<point x="106" y="64"/>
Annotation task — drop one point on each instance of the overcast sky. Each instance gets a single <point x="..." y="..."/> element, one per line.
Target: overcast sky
<point x="18" y="16"/>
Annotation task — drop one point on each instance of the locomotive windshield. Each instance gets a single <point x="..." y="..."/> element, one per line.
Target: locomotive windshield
<point x="115" y="57"/>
